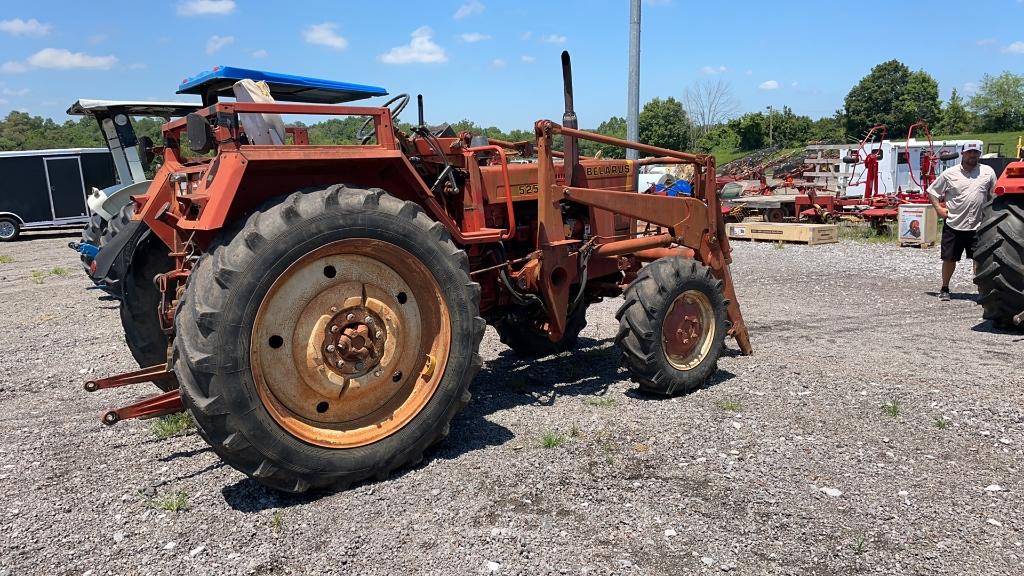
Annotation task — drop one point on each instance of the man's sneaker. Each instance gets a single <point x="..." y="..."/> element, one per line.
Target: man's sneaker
<point x="944" y="294"/>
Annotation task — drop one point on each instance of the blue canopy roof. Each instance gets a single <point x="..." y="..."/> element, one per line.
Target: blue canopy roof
<point x="284" y="87"/>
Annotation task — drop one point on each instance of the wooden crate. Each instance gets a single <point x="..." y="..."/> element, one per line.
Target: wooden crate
<point x="810" y="234"/>
<point x="918" y="225"/>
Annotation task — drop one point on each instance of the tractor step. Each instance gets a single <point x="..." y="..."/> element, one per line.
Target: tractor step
<point x="158" y="405"/>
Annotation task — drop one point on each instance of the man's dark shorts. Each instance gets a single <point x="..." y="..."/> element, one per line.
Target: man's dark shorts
<point x="956" y="242"/>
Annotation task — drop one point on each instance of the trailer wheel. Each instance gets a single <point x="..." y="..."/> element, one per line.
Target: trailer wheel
<point x="140" y="304"/>
<point x="525" y="334"/>
<point x="672" y="326"/>
<point x="775" y="215"/>
<point x="329" y="338"/>
<point x="9" y="229"/>
<point x="999" y="258"/>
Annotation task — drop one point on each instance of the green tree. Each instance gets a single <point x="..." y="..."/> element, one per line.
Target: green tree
<point x="999" y="102"/>
<point x="955" y="118"/>
<point x="614" y="127"/>
<point x="664" y="123"/>
<point x="892" y="95"/>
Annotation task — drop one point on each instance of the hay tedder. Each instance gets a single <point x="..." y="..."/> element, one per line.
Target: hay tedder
<point x="322" y="305"/>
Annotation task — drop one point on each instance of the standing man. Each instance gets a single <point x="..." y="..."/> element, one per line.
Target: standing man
<point x="958" y="195"/>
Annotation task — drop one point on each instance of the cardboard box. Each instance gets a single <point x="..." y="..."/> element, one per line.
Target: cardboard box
<point x="918" y="225"/>
<point x="810" y="234"/>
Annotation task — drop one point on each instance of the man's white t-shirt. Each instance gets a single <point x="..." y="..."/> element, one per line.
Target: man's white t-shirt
<point x="964" y="192"/>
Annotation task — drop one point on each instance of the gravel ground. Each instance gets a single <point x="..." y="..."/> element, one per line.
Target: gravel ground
<point x="786" y="464"/>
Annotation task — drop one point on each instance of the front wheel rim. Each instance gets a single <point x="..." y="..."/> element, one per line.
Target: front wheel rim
<point x="7" y="229"/>
<point x="350" y="343"/>
<point x="688" y="330"/>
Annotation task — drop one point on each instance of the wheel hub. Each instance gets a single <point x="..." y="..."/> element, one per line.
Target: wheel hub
<point x="687" y="329"/>
<point x="354" y="341"/>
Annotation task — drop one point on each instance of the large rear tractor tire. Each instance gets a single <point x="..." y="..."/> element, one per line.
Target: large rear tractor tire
<point x="999" y="260"/>
<point x="140" y="303"/>
<point x="329" y="338"/>
<point x="672" y="326"/>
<point x="525" y="334"/>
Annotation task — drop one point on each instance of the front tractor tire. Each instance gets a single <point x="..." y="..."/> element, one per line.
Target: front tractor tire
<point x="672" y="326"/>
<point x="999" y="260"/>
<point x="329" y="338"/>
<point x="524" y="333"/>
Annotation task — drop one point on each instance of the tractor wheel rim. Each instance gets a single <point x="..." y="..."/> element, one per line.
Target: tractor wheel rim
<point x="350" y="343"/>
<point x="688" y="330"/>
<point x="6" y="229"/>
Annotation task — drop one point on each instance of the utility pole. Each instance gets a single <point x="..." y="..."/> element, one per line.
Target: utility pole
<point x="769" y="126"/>
<point x="633" y="106"/>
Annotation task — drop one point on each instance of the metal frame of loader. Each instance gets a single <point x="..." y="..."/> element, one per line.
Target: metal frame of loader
<point x="191" y="200"/>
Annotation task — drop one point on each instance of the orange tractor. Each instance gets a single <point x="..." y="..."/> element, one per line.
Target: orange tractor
<point x="322" y="305"/>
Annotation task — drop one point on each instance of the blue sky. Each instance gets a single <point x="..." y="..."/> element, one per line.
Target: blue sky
<point x="497" y="62"/>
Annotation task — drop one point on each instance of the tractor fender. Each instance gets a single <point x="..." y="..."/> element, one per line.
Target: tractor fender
<point x="114" y="259"/>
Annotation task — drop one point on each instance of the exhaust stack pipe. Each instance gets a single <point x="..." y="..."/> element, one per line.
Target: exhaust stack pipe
<point x="572" y="153"/>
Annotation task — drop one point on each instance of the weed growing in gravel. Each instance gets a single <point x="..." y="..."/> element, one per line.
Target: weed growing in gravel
<point x="37" y="276"/>
<point x="172" y="502"/>
<point x="602" y="401"/>
<point x="574" y="431"/>
<point x="863" y="233"/>
<point x="859" y="545"/>
<point x="730" y="405"/>
<point x="59" y="271"/>
<point x="277" y="520"/>
<point x="5" y="259"/>
<point x="552" y="440"/>
<point x="893" y="407"/>
<point x="780" y="245"/>
<point x="172" y="425"/>
<point x="941" y="423"/>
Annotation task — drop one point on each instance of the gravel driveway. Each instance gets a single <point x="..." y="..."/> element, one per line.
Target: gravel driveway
<point x="786" y="464"/>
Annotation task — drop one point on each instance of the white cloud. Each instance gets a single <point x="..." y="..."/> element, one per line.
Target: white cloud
<point x="19" y="27"/>
<point x="709" y="70"/>
<point x="18" y="92"/>
<point x="473" y="37"/>
<point x="61" y="59"/>
<point x="553" y="39"/>
<point x="985" y="42"/>
<point x="528" y="59"/>
<point x="498" y="63"/>
<point x="1015" y="48"/>
<point x="324" y="35"/>
<point x="420" y="50"/>
<point x="205" y="7"/>
<point x="970" y="88"/>
<point x="768" y="85"/>
<point x="261" y="53"/>
<point x="215" y="43"/>
<point x="468" y="9"/>
<point x="13" y="67"/>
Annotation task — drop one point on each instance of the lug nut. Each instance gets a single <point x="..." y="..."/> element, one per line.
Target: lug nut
<point x="334" y="309"/>
<point x="368" y="320"/>
<point x="330" y="347"/>
<point x="334" y="329"/>
<point x="359" y="365"/>
<point x="350" y="317"/>
<point x="339" y="364"/>
<point x="378" y="334"/>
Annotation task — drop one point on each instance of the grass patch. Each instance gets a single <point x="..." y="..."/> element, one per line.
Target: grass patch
<point x="172" y="425"/>
<point x="277" y="520"/>
<point x="172" y="502"/>
<point x="865" y="233"/>
<point x="37" y="276"/>
<point x="5" y="259"/>
<point x="602" y="401"/>
<point x="552" y="440"/>
<point x="893" y="407"/>
<point x="941" y="423"/>
<point x="574" y="432"/>
<point x="730" y="405"/>
<point x="59" y="271"/>
<point x="859" y="545"/>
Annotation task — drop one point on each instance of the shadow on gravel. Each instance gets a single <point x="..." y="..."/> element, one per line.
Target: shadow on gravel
<point x="185" y="454"/>
<point x="972" y="296"/>
<point x="988" y="327"/>
<point x="248" y="495"/>
<point x="29" y="235"/>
